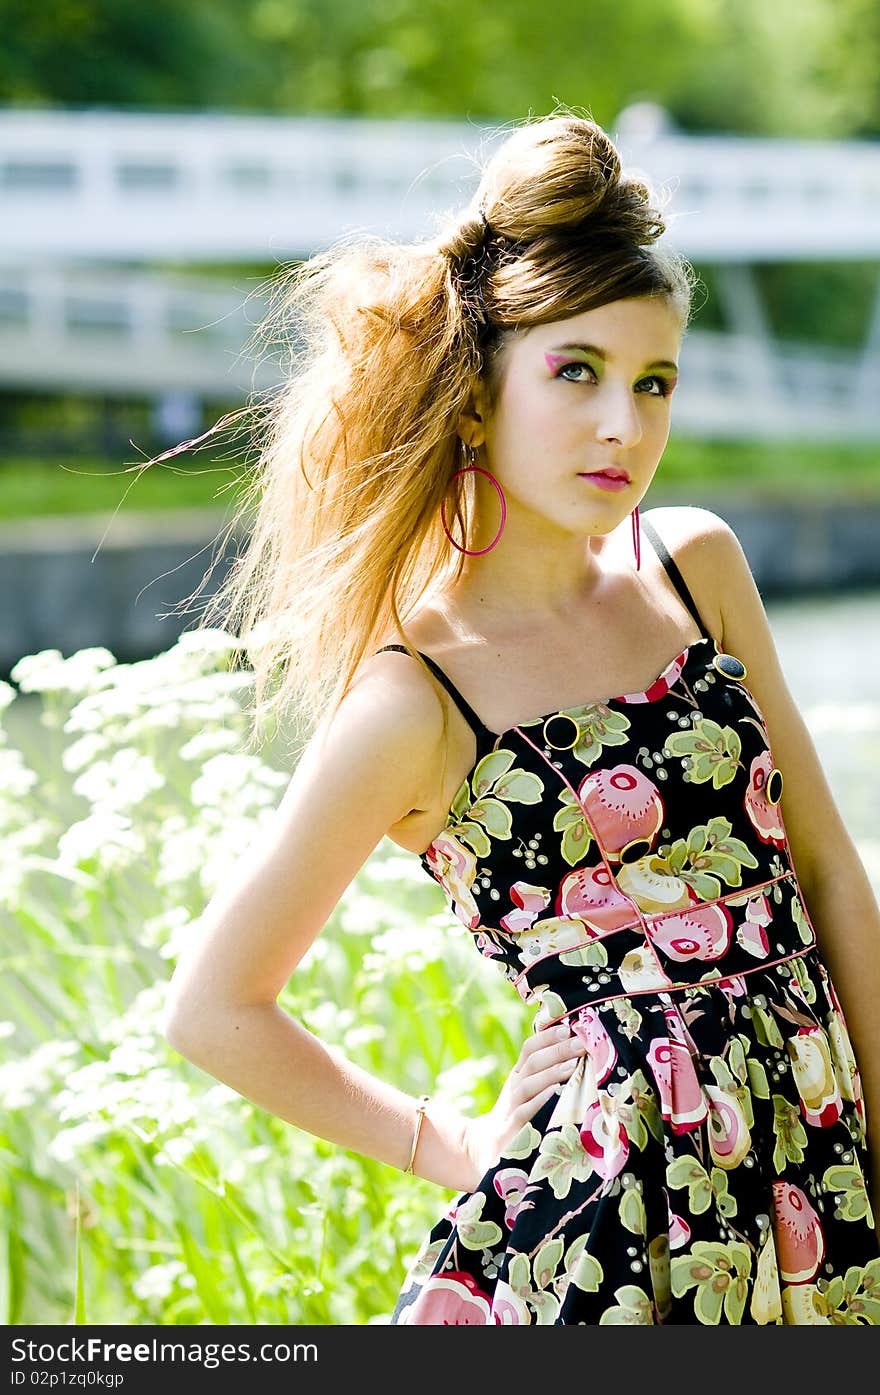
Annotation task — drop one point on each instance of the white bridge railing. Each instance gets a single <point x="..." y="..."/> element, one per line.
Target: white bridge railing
<point x="86" y="196"/>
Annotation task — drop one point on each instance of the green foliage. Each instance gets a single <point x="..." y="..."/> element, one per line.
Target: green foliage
<point x="134" y="1188"/>
<point x="711" y="64"/>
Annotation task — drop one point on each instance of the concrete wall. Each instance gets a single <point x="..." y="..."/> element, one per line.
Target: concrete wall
<point x="65" y="585"/>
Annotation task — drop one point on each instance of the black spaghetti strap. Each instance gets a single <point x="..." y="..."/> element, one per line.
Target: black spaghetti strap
<point x="461" y="703"/>
<point x="674" y="574"/>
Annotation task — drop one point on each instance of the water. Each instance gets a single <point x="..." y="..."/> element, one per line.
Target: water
<point x="830" y="654"/>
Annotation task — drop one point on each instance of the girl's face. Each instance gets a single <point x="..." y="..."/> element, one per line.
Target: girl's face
<point x="584" y="394"/>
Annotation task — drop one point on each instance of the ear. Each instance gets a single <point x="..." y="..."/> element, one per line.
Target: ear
<point x="472" y="422"/>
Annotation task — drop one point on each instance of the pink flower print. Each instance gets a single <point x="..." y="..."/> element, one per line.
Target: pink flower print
<point x="679" y="1232"/>
<point x="729" y="1136"/>
<point x="800" y="1244"/>
<point x="511" y="1184"/>
<point x="604" y="1138"/>
<point x="602" y="1051"/>
<point x="752" y="934"/>
<point x="682" y="1102"/>
<point x="765" y="817"/>
<point x="591" y="894"/>
<point x="733" y="987"/>
<point x="449" y="1300"/>
<point x="485" y="945"/>
<point x="622" y="804"/>
<point x="528" y="901"/>
<point x="813" y="1071"/>
<point x="701" y="933"/>
<point x="509" y="1309"/>
<point x="649" y="882"/>
<point x="454" y="866"/>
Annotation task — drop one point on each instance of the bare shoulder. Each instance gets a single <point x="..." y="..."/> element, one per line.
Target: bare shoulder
<point x="391" y="710"/>
<point x="704" y="547"/>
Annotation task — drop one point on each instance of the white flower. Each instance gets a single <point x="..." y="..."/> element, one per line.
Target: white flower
<point x="159" y="1280"/>
<point x="21" y="1081"/>
<point x="7" y="694"/>
<point x="48" y="672"/>
<point x="83" y="751"/>
<point x="121" y="782"/>
<point x="16" y="778"/>
<point x="238" y="777"/>
<point x="105" y="835"/>
<point x="209" y="742"/>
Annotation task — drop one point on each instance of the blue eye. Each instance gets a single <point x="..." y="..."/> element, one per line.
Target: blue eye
<point x="566" y="367"/>
<point x="664" y="385"/>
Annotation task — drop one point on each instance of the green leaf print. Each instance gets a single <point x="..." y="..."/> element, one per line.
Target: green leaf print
<point x="758" y="1082"/>
<point x="570" y="822"/>
<point x="490" y="769"/>
<point x="791" y="1138"/>
<point x="591" y="956"/>
<point x="852" y="1197"/>
<point x="632" y="1211"/>
<point x="702" y="1188"/>
<point x="805" y="983"/>
<point x="523" y="1143"/>
<point x="475" y="837"/>
<point x="546" y="1261"/>
<point x="709" y="856"/>
<point x="520" y="787"/>
<point x="765" y="1025"/>
<point x="714" y="751"/>
<point x="562" y="1159"/>
<point x="598" y="727"/>
<point x="478" y="812"/>
<point x="688" y="1172"/>
<point x="725" y="1203"/>
<point x="634" y="1309"/>
<point x="719" y="1273"/>
<point x="474" y="1233"/>
<point x="585" y="1270"/>
<point x="854" y="1299"/>
<point x="800" y="920"/>
<point x="424" y="1262"/>
<point x="495" y="817"/>
<point x="519" y="1275"/>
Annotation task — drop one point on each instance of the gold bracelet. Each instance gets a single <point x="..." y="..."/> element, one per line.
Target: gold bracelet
<point x="420" y="1114"/>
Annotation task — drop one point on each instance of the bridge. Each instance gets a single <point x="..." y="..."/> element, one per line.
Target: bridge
<point x="93" y="203"/>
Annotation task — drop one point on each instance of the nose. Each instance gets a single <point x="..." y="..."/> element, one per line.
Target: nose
<point x="618" y="416"/>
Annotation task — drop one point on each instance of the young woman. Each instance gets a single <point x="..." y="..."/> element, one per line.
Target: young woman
<point x="576" y="718"/>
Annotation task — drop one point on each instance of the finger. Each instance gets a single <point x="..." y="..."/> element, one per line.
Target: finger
<point x="547" y="1036"/>
<point x="570" y="1047"/>
<point x="534" y="1083"/>
<point x="527" y="1111"/>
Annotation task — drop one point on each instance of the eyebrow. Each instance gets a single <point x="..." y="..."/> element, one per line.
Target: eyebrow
<point x="598" y="353"/>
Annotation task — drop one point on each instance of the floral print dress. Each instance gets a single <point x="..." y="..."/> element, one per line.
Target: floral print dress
<point x="626" y="866"/>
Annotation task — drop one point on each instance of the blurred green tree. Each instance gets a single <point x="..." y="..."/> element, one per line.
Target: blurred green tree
<point x="807" y="68"/>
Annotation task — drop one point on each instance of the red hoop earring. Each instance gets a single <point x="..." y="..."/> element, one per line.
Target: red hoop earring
<point x="479" y="551"/>
<point x="637" y="537"/>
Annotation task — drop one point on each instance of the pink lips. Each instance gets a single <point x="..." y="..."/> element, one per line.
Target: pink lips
<point x="613" y="482"/>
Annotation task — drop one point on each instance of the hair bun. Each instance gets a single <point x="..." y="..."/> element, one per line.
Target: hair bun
<point x="563" y="174"/>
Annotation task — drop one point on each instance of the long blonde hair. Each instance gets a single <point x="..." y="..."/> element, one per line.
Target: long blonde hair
<point x="385" y="341"/>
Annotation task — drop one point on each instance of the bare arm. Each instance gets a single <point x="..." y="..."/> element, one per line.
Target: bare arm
<point x="359" y="775"/>
<point x="362" y="771"/>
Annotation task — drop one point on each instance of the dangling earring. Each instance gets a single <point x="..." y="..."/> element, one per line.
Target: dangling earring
<point x="471" y="455"/>
<point x="637" y="537"/>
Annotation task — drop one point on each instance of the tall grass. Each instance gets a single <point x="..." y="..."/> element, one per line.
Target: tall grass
<point x="133" y="1187"/>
